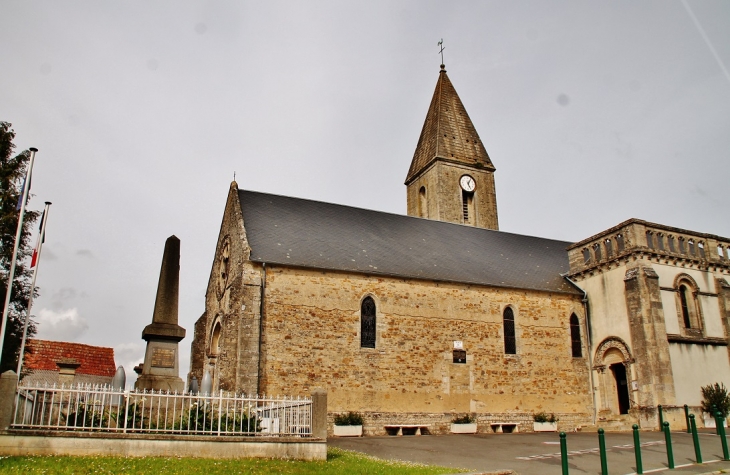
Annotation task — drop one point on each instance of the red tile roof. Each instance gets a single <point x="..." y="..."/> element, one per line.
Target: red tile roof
<point x="95" y="360"/>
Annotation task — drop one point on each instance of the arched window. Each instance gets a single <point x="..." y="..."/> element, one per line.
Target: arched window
<point x="597" y="251"/>
<point x="682" y="247"/>
<point x="691" y="246"/>
<point x="367" y="323"/>
<point x="701" y="247"/>
<point x="660" y="241"/>
<point x="215" y="339"/>
<point x="689" y="310"/>
<point x="620" y="242"/>
<point x="510" y="344"/>
<point x="586" y="256"/>
<point x="720" y="253"/>
<point x="609" y="247"/>
<point x="575" y="342"/>
<point x="685" y="307"/>
<point x="422" y="205"/>
<point x="650" y="239"/>
<point x="670" y="241"/>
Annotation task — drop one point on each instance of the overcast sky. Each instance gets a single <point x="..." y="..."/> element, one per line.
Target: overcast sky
<point x="592" y="113"/>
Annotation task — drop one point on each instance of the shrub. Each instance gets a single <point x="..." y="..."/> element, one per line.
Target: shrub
<point x="349" y="419"/>
<point x="715" y="395"/>
<point x="466" y="419"/>
<point x="204" y="418"/>
<point x="87" y="414"/>
<point x="543" y="417"/>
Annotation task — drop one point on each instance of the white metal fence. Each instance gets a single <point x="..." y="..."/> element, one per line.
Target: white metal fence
<point x="106" y="409"/>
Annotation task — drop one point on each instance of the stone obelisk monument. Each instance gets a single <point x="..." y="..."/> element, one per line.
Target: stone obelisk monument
<point x="161" y="362"/>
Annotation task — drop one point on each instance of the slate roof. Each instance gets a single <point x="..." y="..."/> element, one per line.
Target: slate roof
<point x="447" y="133"/>
<point x="94" y="360"/>
<point x="313" y="234"/>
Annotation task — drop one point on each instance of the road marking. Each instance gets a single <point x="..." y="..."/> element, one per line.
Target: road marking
<point x="586" y="451"/>
<point x="654" y="470"/>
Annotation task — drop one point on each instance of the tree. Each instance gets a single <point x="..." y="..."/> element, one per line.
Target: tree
<point x="715" y="395"/>
<point x="12" y="173"/>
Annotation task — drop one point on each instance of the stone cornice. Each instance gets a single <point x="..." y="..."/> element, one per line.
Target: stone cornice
<point x="652" y="255"/>
<point x="672" y="289"/>
<point x="707" y="340"/>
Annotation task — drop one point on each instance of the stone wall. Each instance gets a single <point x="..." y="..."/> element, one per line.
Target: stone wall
<point x="311" y="338"/>
<point x="46" y="443"/>
<point x="233" y="301"/>
<point x="440" y="423"/>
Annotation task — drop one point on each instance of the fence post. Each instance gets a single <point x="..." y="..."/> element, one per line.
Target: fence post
<point x="637" y="450"/>
<point x="721" y="428"/>
<point x="695" y="439"/>
<point x="8" y="389"/>
<point x="686" y="418"/>
<point x="564" y="453"/>
<point x="668" y="441"/>
<point x="661" y="417"/>
<point x="319" y="413"/>
<point x="602" y="451"/>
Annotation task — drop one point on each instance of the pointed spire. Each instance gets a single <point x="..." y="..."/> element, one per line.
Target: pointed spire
<point x="448" y="133"/>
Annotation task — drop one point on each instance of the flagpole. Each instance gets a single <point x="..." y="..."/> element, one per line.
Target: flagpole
<point x="37" y="259"/>
<point x="11" y="274"/>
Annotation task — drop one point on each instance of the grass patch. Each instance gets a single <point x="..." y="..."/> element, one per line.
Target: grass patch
<point x="339" y="461"/>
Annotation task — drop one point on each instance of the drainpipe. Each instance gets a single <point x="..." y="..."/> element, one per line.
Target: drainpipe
<point x="261" y="325"/>
<point x="587" y="310"/>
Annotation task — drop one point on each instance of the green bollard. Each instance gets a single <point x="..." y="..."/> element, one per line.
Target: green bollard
<point x="637" y="450"/>
<point x="668" y="440"/>
<point x="661" y="417"/>
<point x="602" y="451"/>
<point x="723" y="439"/>
<point x="695" y="438"/>
<point x="686" y="418"/>
<point x="564" y="453"/>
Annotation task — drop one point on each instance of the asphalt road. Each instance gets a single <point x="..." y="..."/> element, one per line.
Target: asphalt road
<point x="539" y="454"/>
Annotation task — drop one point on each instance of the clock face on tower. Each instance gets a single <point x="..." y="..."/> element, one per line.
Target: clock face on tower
<point x="467" y="183"/>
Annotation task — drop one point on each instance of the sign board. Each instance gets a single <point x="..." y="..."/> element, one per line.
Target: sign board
<point x="458" y="345"/>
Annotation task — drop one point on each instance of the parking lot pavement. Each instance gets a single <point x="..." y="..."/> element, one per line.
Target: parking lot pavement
<point x="539" y="454"/>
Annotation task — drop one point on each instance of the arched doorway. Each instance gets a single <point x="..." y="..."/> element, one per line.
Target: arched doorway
<point x="622" y="387"/>
<point x="613" y="364"/>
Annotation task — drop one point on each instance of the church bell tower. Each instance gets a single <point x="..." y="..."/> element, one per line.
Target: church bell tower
<point x="451" y="176"/>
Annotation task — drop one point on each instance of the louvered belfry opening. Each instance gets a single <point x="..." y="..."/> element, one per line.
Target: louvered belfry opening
<point x="367" y="323"/>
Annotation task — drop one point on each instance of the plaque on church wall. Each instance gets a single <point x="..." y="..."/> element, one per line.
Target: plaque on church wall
<point x="163" y="358"/>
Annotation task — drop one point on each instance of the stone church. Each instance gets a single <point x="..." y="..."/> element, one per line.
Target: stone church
<point x="419" y="318"/>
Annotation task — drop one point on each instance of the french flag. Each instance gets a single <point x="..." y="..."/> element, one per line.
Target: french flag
<point x="41" y="240"/>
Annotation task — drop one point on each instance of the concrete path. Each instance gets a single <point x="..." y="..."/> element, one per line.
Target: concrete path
<point x="539" y="454"/>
